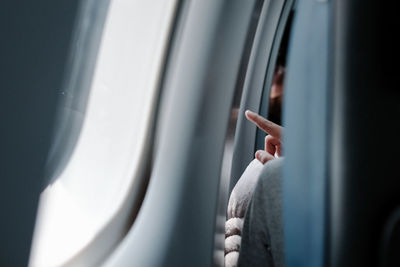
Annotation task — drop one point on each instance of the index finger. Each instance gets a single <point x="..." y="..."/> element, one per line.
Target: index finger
<point x="267" y="126"/>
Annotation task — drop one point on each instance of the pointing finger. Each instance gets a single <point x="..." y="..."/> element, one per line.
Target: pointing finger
<point x="267" y="126"/>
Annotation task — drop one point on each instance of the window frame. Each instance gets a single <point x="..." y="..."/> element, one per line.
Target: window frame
<point x="79" y="73"/>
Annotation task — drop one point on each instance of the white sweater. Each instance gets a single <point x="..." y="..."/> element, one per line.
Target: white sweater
<point x="237" y="205"/>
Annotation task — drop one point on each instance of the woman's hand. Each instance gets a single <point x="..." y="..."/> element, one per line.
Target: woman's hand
<point x="273" y="143"/>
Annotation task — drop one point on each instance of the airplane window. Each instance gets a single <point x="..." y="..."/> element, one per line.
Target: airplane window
<point x="94" y="180"/>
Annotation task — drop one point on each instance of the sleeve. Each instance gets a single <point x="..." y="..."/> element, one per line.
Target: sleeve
<point x="237" y="205"/>
<point x="243" y="190"/>
<point x="262" y="234"/>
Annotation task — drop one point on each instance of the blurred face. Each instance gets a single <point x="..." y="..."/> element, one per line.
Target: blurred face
<point x="275" y="101"/>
